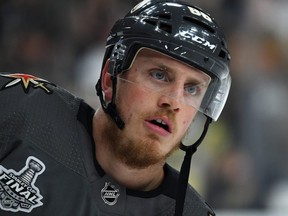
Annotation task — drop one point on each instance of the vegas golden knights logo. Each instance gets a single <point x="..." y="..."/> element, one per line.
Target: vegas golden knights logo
<point x="17" y="189"/>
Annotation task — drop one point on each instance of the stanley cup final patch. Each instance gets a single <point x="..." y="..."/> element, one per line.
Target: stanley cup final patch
<point x="18" y="192"/>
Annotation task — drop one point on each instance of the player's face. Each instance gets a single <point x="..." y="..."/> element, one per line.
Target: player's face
<point x="151" y="99"/>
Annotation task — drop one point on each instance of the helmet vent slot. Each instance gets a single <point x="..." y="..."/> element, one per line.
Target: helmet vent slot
<point x="166" y="16"/>
<point x="151" y="21"/>
<point x="160" y="25"/>
<point x="222" y="54"/>
<point x="199" y="23"/>
<point x="165" y="27"/>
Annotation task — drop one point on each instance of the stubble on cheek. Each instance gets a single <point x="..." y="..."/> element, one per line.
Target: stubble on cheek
<point x="135" y="152"/>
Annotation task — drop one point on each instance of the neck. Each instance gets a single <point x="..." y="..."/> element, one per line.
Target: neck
<point x="144" y="179"/>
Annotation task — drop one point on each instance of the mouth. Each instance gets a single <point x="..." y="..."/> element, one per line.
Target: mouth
<point x="160" y="125"/>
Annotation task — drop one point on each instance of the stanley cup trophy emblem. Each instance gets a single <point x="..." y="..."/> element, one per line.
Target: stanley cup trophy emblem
<point x="17" y="189"/>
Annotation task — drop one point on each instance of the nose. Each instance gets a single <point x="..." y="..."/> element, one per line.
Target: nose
<point x="168" y="102"/>
<point x="171" y="99"/>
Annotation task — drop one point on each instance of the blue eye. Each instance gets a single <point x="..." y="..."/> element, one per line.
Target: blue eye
<point x="159" y="75"/>
<point x="192" y="89"/>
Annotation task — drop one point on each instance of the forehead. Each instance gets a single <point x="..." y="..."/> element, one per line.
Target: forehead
<point x="148" y="58"/>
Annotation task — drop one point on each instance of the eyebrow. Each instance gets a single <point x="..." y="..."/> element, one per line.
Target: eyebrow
<point x="153" y="59"/>
<point x="200" y="78"/>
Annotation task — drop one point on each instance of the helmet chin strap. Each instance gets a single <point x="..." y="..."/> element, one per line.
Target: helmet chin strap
<point x="110" y="109"/>
<point x="185" y="169"/>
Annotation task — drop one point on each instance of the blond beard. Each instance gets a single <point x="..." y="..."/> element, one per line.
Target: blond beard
<point x="134" y="152"/>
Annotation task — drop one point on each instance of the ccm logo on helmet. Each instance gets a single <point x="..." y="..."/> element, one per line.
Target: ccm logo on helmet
<point x="200" y="13"/>
<point x="190" y="35"/>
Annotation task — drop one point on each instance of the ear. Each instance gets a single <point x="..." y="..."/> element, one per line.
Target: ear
<point x="106" y="82"/>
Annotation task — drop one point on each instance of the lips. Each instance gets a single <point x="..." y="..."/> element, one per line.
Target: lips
<point x="160" y="125"/>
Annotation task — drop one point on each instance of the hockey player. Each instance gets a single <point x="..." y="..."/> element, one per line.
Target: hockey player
<point x="166" y="61"/>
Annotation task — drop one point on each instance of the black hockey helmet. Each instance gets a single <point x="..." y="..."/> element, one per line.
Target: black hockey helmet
<point x="180" y="30"/>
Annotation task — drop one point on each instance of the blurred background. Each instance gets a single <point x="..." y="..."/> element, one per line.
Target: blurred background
<point x="241" y="168"/>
